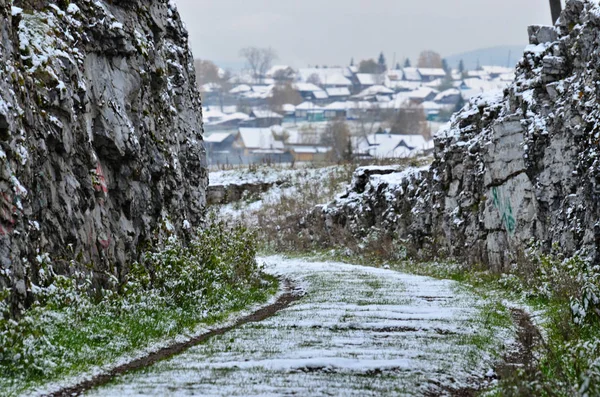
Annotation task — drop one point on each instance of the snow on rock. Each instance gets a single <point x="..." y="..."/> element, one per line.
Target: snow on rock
<point x="100" y="134"/>
<point x="358" y="331"/>
<point x="512" y="167"/>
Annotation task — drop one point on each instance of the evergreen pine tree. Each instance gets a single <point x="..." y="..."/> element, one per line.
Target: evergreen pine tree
<point x="382" y="63"/>
<point x="445" y="66"/>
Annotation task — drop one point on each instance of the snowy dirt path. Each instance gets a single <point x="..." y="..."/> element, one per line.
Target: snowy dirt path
<point x="359" y="331"/>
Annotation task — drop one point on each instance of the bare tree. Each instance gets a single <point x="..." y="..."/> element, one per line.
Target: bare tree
<point x="556" y="9"/>
<point x="209" y="73"/>
<point x="206" y="72"/>
<point x="430" y="59"/>
<point x="368" y="119"/>
<point x="224" y="86"/>
<point x="284" y="94"/>
<point x="369" y="66"/>
<point x="259" y="60"/>
<point x="284" y="76"/>
<point x="410" y="121"/>
<point x="337" y="136"/>
<point x="314" y="79"/>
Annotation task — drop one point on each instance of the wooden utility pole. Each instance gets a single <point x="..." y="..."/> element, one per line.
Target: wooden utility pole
<point x="556" y="8"/>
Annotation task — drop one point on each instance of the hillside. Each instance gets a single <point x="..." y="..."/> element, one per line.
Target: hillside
<point x="507" y="56"/>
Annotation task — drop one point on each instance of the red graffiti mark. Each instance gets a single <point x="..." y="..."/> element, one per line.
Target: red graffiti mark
<point x="105" y="243"/>
<point x="7" y="216"/>
<point x="7" y="213"/>
<point x="100" y="180"/>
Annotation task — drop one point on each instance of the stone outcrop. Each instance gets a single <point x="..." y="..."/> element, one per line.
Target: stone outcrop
<point x="513" y="170"/>
<point x="101" y="149"/>
<point x="231" y="193"/>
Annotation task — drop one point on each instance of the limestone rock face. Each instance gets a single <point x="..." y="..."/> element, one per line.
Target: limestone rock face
<point x="101" y="147"/>
<point x="513" y="170"/>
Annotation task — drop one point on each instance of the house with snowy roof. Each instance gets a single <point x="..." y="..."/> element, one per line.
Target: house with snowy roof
<point x="240" y="89"/>
<point x="478" y="74"/>
<point x="451" y="96"/>
<point x="288" y="110"/>
<point x="374" y="93"/>
<point x="326" y="77"/>
<point x="433" y="109"/>
<point x="259" y="140"/>
<point x="310" y="153"/>
<point x="496" y="71"/>
<point x="411" y="74"/>
<point x="262" y="119"/>
<point x="403" y="85"/>
<point x="222" y="142"/>
<point x="431" y="74"/>
<point x="394" y="75"/>
<point x="336" y="81"/>
<point x="338" y="93"/>
<point x="311" y="92"/>
<point x="357" y="109"/>
<point x="211" y="114"/>
<point x="422" y="94"/>
<point x="366" y="80"/>
<point x="249" y="145"/>
<point x="336" y="110"/>
<point x="310" y="111"/>
<point x="225" y="122"/>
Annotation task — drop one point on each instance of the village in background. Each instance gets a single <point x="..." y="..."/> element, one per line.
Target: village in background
<point x="271" y="113"/>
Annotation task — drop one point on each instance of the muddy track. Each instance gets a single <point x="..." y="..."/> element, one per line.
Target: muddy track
<point x="528" y="339"/>
<point x="290" y="295"/>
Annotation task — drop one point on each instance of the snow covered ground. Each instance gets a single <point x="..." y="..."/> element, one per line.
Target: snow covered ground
<point x="246" y="175"/>
<point x="359" y="331"/>
<point x="294" y="184"/>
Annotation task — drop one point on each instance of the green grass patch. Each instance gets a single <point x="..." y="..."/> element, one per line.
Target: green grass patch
<point x="69" y="330"/>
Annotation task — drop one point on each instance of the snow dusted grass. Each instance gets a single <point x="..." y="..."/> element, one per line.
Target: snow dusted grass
<point x="301" y="190"/>
<point x="179" y="289"/>
<point x="359" y="331"/>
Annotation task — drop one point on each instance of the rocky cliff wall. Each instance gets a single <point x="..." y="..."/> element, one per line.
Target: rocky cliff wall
<point x="101" y="146"/>
<point x="512" y="170"/>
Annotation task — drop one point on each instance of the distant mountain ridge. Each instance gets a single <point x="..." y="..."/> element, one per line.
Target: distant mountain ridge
<point x="507" y="56"/>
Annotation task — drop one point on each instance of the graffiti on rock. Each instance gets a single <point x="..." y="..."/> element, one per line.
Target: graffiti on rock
<point x="504" y="206"/>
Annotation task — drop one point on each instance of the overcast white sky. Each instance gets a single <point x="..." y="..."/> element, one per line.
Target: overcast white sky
<point x="308" y="32"/>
